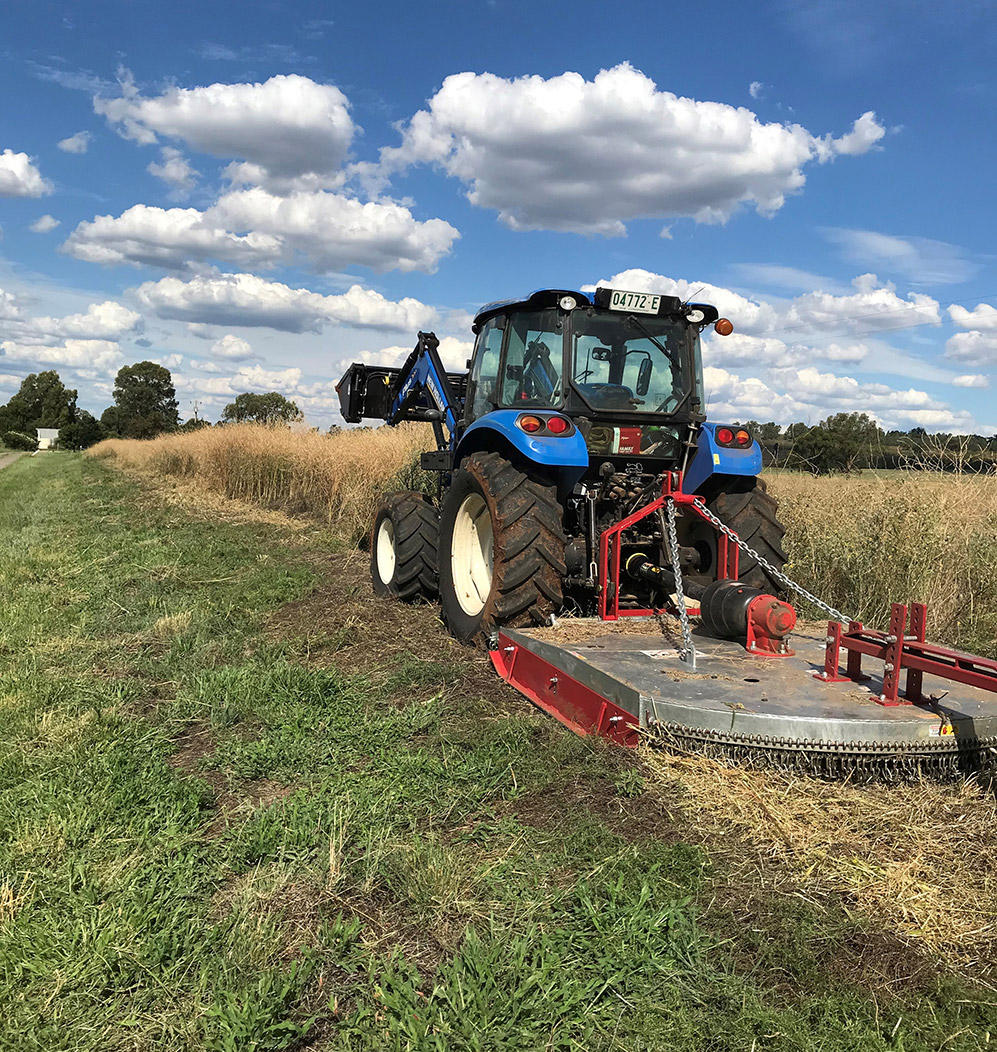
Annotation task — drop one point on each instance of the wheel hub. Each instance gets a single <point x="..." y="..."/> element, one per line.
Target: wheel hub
<point x="472" y="554"/>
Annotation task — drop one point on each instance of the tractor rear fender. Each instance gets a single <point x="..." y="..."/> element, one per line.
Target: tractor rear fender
<point x="561" y="458"/>
<point x="712" y="459"/>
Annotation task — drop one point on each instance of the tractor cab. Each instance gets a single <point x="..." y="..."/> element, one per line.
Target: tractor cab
<point x="615" y="360"/>
<point x="565" y="351"/>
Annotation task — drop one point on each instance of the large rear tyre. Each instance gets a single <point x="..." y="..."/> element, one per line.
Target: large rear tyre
<point x="753" y="514"/>
<point x="501" y="548"/>
<point x="403" y="547"/>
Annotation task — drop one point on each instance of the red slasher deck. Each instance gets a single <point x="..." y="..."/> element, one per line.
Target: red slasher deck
<point x="617" y="684"/>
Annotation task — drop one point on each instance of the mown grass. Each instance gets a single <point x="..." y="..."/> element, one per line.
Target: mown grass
<point x="212" y="838"/>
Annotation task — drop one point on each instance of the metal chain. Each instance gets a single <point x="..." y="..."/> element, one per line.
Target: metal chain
<point x="774" y="571"/>
<point x="688" y="653"/>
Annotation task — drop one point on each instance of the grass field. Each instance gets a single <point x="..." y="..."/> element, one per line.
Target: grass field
<point x="246" y="806"/>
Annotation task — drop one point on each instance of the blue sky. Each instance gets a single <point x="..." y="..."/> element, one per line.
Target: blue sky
<point x="256" y="194"/>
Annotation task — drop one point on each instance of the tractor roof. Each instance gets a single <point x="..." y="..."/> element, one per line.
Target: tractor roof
<point x="540" y="298"/>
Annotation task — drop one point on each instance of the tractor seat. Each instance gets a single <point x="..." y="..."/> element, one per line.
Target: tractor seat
<point x="607" y="396"/>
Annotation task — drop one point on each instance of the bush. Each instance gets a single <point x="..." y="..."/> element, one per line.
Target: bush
<point x="17" y="440"/>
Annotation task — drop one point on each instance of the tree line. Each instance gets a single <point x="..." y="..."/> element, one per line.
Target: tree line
<point x="145" y="405"/>
<point x="847" y="442"/>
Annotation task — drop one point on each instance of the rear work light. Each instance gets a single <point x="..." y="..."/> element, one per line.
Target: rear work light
<point x="544" y="425"/>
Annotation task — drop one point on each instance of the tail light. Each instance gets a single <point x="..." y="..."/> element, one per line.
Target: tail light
<point x="733" y="439"/>
<point x="544" y="425"/>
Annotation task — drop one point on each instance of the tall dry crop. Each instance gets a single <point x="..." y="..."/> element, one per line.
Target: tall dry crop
<point x="336" y="478"/>
<point x="863" y="543"/>
<point x="858" y="543"/>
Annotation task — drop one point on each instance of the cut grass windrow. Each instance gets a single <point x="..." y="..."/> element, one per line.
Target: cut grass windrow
<point x="248" y="807"/>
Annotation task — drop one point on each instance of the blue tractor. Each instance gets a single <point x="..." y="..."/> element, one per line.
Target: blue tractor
<point x="575" y="412"/>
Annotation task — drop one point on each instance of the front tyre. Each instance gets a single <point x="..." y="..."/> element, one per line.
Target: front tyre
<point x="501" y="548"/>
<point x="403" y="545"/>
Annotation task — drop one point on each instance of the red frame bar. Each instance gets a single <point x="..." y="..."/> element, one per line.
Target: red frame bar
<point x="904" y="651"/>
<point x="610" y="543"/>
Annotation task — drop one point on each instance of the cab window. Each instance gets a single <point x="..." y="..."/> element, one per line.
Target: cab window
<point x="531" y="372"/>
<point x="483" y="392"/>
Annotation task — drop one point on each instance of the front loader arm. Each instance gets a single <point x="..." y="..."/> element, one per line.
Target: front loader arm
<point x="421" y="389"/>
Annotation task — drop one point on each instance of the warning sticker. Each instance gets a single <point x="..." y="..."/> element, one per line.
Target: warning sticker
<point x="943" y="730"/>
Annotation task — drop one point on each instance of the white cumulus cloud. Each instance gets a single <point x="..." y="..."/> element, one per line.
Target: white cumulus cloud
<point x="98" y="355"/>
<point x="175" y="170"/>
<point x="78" y="143"/>
<point x="246" y="299"/>
<point x="43" y="224"/>
<point x="984" y="316"/>
<point x="20" y="178"/>
<point x="253" y="227"/>
<point x="232" y="347"/>
<point x="972" y="380"/>
<point x="145" y="234"/>
<point x="287" y="127"/>
<point x="569" y="154"/>
<point x="107" y="320"/>
<point x="973" y="348"/>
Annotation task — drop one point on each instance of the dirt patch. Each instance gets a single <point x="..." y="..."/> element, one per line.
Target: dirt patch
<point x="633" y="818"/>
<point x="230" y="799"/>
<point x="343" y="623"/>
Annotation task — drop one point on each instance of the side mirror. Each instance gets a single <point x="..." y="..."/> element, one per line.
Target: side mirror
<point x="644" y="376"/>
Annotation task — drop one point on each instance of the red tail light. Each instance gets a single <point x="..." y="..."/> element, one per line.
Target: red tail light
<point x="725" y="436"/>
<point x="557" y="425"/>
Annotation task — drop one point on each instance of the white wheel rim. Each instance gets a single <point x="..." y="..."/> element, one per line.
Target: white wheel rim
<point x="386" y="550"/>
<point x="471" y="554"/>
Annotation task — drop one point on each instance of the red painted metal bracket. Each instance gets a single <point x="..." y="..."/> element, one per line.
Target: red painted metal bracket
<point x="610" y="550"/>
<point x="577" y="706"/>
<point x="900" y="650"/>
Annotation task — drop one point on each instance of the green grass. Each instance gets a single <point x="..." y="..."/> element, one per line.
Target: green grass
<point x="208" y="841"/>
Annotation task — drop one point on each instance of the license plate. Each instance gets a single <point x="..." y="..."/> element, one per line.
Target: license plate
<point x="637" y="302"/>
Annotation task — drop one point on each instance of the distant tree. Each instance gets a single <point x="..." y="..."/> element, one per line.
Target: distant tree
<point x="42" y="401"/>
<point x="195" y="423"/>
<point x="111" y="421"/>
<point x="84" y="432"/>
<point x="271" y="408"/>
<point x="842" y="442"/>
<point x="770" y="432"/>
<point x="794" y="431"/>
<point x="146" y="401"/>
